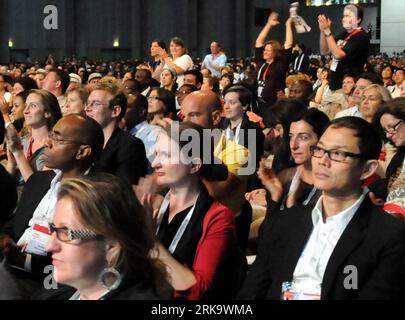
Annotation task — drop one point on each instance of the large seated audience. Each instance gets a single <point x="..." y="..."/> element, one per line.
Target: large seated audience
<point x="171" y="178"/>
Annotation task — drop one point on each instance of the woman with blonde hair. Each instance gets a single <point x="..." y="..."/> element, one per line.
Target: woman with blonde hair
<point x="372" y="99"/>
<point x="101" y="239"/>
<point x="333" y="104"/>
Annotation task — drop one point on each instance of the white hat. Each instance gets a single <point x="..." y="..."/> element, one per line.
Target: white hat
<point x="95" y="75"/>
<point x="75" y="78"/>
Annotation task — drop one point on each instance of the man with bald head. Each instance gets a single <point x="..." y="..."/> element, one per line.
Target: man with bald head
<point x="204" y="108"/>
<point x="72" y="147"/>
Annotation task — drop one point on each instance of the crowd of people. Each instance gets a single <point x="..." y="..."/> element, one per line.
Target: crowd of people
<point x="174" y="178"/>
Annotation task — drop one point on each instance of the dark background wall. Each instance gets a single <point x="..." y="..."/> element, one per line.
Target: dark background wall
<point x="89" y="27"/>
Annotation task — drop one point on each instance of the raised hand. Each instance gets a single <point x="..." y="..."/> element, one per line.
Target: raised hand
<point x="12" y="139"/>
<point x="324" y="23"/>
<point x="270" y="181"/>
<point x="273" y="19"/>
<point x="4" y="107"/>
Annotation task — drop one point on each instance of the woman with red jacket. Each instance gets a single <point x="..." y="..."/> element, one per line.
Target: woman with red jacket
<point x="196" y="234"/>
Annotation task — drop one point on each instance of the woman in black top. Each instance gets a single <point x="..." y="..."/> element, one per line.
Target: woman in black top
<point x="392" y="120"/>
<point x="101" y="239"/>
<point x="237" y="102"/>
<point x="273" y="60"/>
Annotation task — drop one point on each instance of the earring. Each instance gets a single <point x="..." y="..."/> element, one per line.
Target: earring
<point x="110" y="278"/>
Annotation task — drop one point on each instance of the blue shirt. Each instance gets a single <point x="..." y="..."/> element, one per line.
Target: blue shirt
<point x="148" y="134"/>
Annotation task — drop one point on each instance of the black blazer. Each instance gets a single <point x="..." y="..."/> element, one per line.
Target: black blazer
<point x="380" y="187"/>
<point x="8" y="198"/>
<point x="123" y="156"/>
<point x="34" y="190"/>
<point x="373" y="241"/>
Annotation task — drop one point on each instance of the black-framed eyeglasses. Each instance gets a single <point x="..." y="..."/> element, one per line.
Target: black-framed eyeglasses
<point x="333" y="154"/>
<point x="53" y="136"/>
<point x="66" y="234"/>
<point x="394" y="128"/>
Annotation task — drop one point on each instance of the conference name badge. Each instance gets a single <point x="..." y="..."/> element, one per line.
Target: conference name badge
<point x="293" y="291"/>
<point x="38" y="240"/>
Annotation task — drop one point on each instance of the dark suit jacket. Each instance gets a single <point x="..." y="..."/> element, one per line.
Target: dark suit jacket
<point x="304" y="65"/>
<point x="123" y="156"/>
<point x="373" y="242"/>
<point x="8" y="195"/>
<point x="34" y="190"/>
<point x="380" y="187"/>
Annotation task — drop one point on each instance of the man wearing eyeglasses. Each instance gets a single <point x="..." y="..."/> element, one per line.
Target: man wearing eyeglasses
<point x="344" y="247"/>
<point x="123" y="155"/>
<point x="73" y="145"/>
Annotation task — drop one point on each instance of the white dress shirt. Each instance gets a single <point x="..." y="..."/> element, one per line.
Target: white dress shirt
<point x="44" y="212"/>
<point x="148" y="134"/>
<point x="395" y="91"/>
<point x="312" y="264"/>
<point x="351" y="112"/>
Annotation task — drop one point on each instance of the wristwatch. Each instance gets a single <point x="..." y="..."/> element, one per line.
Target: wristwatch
<point x="327" y="34"/>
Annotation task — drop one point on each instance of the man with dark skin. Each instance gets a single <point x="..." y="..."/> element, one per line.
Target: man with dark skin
<point x="301" y="90"/>
<point x="131" y="87"/>
<point x="73" y="145"/>
<point x="144" y="77"/>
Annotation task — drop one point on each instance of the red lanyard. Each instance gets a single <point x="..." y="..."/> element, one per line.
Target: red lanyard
<point x="29" y="151"/>
<point x="266" y="72"/>
<point x="350" y="36"/>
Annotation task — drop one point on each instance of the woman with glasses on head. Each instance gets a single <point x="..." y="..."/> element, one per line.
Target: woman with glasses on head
<point x="41" y="113"/>
<point x="391" y="119"/>
<point x="161" y="104"/>
<point x="100" y="242"/>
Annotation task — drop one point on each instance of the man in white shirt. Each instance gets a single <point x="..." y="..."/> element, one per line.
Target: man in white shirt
<point x="343" y="248"/>
<point x="74" y="143"/>
<point x="399" y="78"/>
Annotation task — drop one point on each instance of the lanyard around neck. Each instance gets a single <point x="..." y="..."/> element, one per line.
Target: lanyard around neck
<point x="351" y="35"/>
<point x="265" y="72"/>
<point x="230" y="136"/>
<point x="183" y="226"/>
